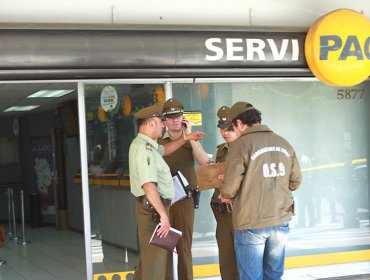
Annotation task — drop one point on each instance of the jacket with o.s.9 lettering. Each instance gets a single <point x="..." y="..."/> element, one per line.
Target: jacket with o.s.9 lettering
<point x="261" y="170"/>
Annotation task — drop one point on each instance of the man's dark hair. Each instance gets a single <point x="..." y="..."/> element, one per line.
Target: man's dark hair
<point x="249" y="117"/>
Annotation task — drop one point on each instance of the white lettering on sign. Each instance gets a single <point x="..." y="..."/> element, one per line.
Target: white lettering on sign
<point x="269" y="149"/>
<point x="255" y="46"/>
<point x="41" y="149"/>
<point x="234" y="46"/>
<point x="238" y="49"/>
<point x="218" y="51"/>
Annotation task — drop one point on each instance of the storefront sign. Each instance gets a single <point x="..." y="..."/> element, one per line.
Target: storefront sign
<point x="148" y="53"/>
<point x="250" y="49"/>
<point x="337" y="48"/>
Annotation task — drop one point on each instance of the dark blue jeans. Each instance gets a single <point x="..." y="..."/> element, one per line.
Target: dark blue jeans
<point x="260" y="252"/>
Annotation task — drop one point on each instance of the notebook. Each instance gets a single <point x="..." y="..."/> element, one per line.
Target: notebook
<point x="169" y="242"/>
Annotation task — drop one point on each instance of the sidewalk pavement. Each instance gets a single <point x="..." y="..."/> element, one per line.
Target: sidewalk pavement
<point x="345" y="271"/>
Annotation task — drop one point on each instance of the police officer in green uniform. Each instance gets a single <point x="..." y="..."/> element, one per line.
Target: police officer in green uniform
<point x="151" y="180"/>
<point x="183" y="160"/>
<point x="223" y="211"/>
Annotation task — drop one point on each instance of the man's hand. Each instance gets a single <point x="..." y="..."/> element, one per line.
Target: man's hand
<point x="165" y="226"/>
<point x="187" y="125"/>
<point x="172" y="146"/>
<point x="225" y="200"/>
<point x="196" y="135"/>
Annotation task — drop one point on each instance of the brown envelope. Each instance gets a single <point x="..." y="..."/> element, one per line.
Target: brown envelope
<point x="207" y="175"/>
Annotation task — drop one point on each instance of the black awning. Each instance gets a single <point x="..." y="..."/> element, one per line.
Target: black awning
<point x="37" y="53"/>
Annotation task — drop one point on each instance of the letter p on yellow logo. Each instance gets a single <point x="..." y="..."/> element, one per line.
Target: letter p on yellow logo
<point x="337" y="48"/>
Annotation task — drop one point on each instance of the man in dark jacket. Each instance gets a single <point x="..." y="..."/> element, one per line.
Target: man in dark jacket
<point x="261" y="170"/>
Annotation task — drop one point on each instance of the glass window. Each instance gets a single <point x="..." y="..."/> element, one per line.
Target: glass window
<point x="328" y="127"/>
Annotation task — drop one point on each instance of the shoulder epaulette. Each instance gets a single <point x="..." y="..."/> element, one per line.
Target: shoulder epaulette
<point x="221" y="146"/>
<point x="149" y="147"/>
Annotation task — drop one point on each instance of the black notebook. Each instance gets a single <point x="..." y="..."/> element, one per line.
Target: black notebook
<point x="169" y="242"/>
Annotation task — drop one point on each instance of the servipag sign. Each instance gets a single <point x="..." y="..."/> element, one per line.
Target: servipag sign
<point x="337" y="48"/>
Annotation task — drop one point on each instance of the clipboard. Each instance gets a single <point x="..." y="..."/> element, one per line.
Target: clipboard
<point x="207" y="175"/>
<point x="180" y="183"/>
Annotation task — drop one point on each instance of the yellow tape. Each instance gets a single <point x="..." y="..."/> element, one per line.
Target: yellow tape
<point x="209" y="270"/>
<point x="116" y="275"/>
<point x="325" y="259"/>
<point x="333" y="165"/>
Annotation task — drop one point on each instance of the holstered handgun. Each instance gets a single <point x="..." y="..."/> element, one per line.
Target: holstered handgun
<point x="147" y="206"/>
<point x="196" y="197"/>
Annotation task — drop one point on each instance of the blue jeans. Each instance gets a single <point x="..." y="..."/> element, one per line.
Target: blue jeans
<point x="260" y="252"/>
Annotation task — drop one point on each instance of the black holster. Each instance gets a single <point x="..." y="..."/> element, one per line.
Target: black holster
<point x="196" y="197"/>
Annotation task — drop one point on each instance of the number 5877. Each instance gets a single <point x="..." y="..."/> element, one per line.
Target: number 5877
<point x="350" y="94"/>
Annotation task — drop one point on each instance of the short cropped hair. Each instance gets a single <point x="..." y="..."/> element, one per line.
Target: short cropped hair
<point x="249" y="117"/>
<point x="141" y="122"/>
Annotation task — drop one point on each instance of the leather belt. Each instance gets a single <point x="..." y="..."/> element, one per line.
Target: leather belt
<point x="189" y="193"/>
<point x="166" y="202"/>
<point x="148" y="207"/>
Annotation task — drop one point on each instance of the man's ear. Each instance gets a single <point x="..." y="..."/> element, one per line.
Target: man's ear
<point x="151" y="122"/>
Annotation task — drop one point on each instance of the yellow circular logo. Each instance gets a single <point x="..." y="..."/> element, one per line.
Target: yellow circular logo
<point x="337" y="48"/>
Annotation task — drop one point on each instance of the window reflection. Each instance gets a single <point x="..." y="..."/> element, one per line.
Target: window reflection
<point x="327" y="128"/>
<point x="329" y="133"/>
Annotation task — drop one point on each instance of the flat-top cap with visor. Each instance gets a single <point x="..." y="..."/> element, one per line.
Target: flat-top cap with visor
<point x="150" y="112"/>
<point x="172" y="108"/>
<point x="239" y="108"/>
<point x="224" y="117"/>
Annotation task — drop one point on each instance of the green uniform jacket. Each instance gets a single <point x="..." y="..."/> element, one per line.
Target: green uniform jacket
<point x="261" y="170"/>
<point x="147" y="165"/>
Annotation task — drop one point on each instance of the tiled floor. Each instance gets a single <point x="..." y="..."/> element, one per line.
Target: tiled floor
<point x="57" y="255"/>
<point x="52" y="255"/>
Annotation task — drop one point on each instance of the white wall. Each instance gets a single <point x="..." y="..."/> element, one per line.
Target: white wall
<point x="301" y="13"/>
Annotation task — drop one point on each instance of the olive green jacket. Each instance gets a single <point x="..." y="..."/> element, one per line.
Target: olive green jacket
<point x="261" y="170"/>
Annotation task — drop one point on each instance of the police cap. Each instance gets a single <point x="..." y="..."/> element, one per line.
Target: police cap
<point x="239" y="108"/>
<point x="172" y="108"/>
<point x="224" y="117"/>
<point x="150" y="112"/>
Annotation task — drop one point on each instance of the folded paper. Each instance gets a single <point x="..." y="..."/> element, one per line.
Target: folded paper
<point x="208" y="175"/>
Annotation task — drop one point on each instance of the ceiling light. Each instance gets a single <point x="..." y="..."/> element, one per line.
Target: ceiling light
<point x="21" y="108"/>
<point x="50" y="93"/>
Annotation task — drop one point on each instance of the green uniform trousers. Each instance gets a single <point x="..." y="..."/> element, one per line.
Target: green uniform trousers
<point x="182" y="218"/>
<point x="225" y="241"/>
<point x="152" y="259"/>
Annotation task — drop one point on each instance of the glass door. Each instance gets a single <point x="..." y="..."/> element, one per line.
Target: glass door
<point x="110" y="127"/>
